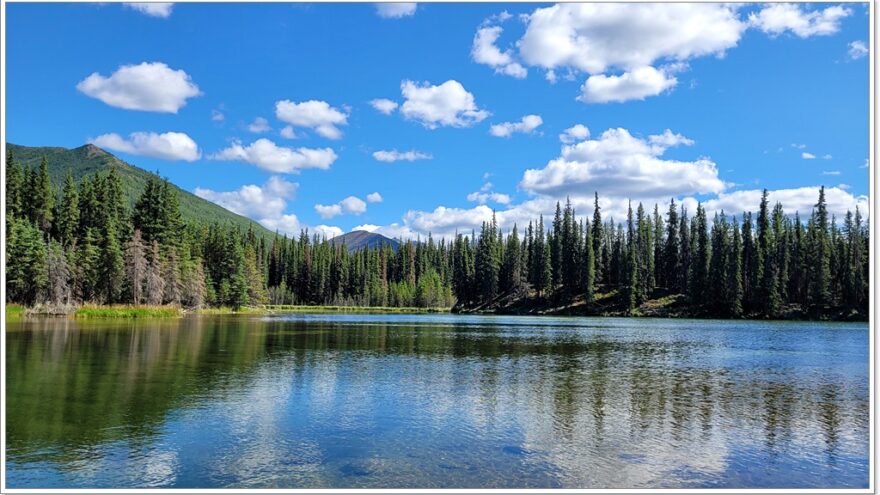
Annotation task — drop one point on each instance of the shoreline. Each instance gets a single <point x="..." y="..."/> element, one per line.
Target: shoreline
<point x="15" y="312"/>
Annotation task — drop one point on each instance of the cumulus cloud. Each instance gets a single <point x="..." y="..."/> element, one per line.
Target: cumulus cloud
<point x="447" y="104"/>
<point x="635" y="85"/>
<point x="807" y="156"/>
<point x="776" y="19"/>
<point x="267" y="155"/>
<point x="252" y="201"/>
<point x="622" y="47"/>
<point x="266" y="205"/>
<point x="287" y="132"/>
<point x="831" y="172"/>
<point x="485" y="52"/>
<point x="394" y="156"/>
<point x="352" y="205"/>
<point x="374" y="198"/>
<point x="157" y="9"/>
<point x="669" y="139"/>
<point x="384" y="105"/>
<point x="165" y="146"/>
<point x="796" y="200"/>
<point x="217" y="116"/>
<point x="857" y="50"/>
<point x="578" y="132"/>
<point x="526" y="125"/>
<point x="328" y="211"/>
<point x="259" y="125"/>
<point x="312" y="114"/>
<point x="596" y="37"/>
<point x="149" y="86"/>
<point x="620" y="164"/>
<point x="396" y="10"/>
<point x="484" y="197"/>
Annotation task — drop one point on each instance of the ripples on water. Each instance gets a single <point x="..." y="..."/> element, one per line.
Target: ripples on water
<point x="436" y="401"/>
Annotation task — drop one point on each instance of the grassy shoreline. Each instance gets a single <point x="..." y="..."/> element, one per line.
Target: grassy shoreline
<point x="16" y="311"/>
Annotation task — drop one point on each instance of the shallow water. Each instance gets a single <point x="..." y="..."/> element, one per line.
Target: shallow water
<point x="436" y="401"/>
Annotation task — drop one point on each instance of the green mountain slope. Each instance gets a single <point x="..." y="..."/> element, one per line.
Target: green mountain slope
<point x="89" y="159"/>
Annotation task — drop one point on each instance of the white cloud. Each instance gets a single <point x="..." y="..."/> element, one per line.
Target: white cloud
<point x="484" y="197"/>
<point x="269" y="156"/>
<point x="374" y="198"/>
<point x="259" y="125"/>
<point x="844" y="186"/>
<point x="448" y="104"/>
<point x="287" y="132"/>
<point x="384" y="105"/>
<point x="252" y="201"/>
<point x="775" y="19"/>
<point x="394" y="155"/>
<point x="366" y="227"/>
<point x="634" y="85"/>
<point x="866" y="164"/>
<point x="353" y="205"/>
<point x="827" y="157"/>
<point x="800" y="200"/>
<point x="485" y="52"/>
<point x="619" y="164"/>
<point x="396" y="10"/>
<point x="217" y="116"/>
<point x="798" y="146"/>
<point x="622" y="47"/>
<point x="807" y="156"/>
<point x="157" y="9"/>
<point x="328" y="211"/>
<point x="152" y="87"/>
<point x="669" y="139"/>
<point x="327" y="231"/>
<point x="596" y="37"/>
<point x="526" y="125"/>
<point x="857" y="50"/>
<point x="312" y="114"/>
<point x="578" y="132"/>
<point x="266" y="205"/>
<point x="165" y="146"/>
<point x="831" y="172"/>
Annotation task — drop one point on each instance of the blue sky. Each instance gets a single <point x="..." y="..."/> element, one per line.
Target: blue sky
<point x="748" y="95"/>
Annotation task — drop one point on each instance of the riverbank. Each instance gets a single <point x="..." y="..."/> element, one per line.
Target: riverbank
<point x="16" y="311"/>
<point x="661" y="304"/>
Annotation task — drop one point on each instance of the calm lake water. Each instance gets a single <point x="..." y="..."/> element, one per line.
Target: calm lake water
<point x="436" y="401"/>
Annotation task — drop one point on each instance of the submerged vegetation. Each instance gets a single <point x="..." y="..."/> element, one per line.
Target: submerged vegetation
<point x="85" y="245"/>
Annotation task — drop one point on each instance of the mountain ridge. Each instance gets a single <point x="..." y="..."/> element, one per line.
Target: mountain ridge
<point x="89" y="159"/>
<point x="362" y="239"/>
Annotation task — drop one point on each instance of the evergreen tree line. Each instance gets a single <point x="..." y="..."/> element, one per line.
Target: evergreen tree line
<point x="83" y="243"/>
<point x="762" y="265"/>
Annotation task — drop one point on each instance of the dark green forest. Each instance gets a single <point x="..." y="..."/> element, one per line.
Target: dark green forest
<point x="85" y="243"/>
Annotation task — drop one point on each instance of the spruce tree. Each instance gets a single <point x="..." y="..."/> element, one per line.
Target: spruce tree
<point x="67" y="216"/>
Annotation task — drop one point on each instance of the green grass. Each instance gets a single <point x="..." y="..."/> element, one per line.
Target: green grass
<point x="285" y="308"/>
<point x="128" y="312"/>
<point x="14" y="311"/>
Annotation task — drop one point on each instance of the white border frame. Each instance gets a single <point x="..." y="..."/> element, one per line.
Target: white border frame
<point x="871" y="336"/>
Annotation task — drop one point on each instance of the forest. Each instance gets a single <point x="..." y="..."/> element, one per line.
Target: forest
<point x="84" y="243"/>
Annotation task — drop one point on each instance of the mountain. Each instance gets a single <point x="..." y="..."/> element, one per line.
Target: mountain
<point x="89" y="159"/>
<point x="361" y="239"/>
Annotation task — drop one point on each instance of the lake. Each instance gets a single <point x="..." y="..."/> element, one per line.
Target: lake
<point x="397" y="401"/>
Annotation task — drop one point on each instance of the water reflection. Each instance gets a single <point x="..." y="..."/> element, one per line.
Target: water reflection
<point x="436" y="401"/>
